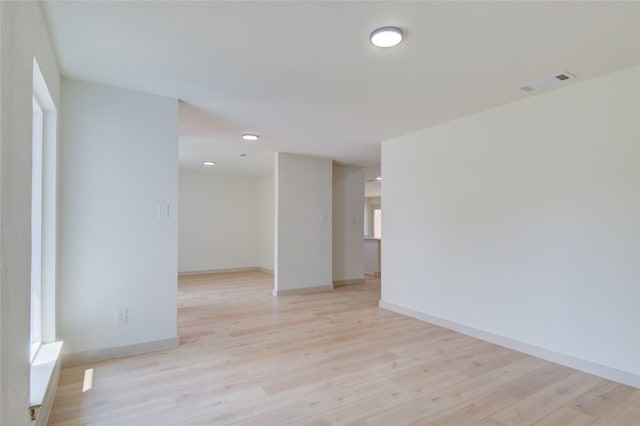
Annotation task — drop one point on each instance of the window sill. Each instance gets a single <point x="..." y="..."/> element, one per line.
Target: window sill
<point x="42" y="370"/>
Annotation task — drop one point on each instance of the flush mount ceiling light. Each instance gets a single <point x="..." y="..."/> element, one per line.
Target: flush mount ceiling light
<point x="250" y="137"/>
<point x="379" y="178"/>
<point x="209" y="163"/>
<point x="386" y="36"/>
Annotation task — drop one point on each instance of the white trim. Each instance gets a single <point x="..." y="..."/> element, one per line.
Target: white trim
<point x="37" y="220"/>
<point x="119" y="351"/>
<point x="267" y="270"/>
<point x="220" y="271"/>
<point x="49" y="204"/>
<point x="43" y="381"/>
<point x="303" y="290"/>
<point x="339" y="283"/>
<point x="599" y="370"/>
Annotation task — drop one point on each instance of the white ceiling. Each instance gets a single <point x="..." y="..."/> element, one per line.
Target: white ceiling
<point x="304" y="76"/>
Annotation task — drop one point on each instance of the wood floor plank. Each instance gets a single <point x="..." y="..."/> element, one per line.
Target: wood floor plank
<point x="547" y="400"/>
<point x="565" y="417"/>
<point x="601" y="398"/>
<point x="248" y="358"/>
<point x="627" y="413"/>
<point x="520" y="380"/>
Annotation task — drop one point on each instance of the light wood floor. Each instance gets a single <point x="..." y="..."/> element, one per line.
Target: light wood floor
<point x="248" y="358"/>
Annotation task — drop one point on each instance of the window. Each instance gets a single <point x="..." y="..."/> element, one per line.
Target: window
<point x="43" y="215"/>
<point x="377" y="223"/>
<point x="44" y="351"/>
<point x="36" y="228"/>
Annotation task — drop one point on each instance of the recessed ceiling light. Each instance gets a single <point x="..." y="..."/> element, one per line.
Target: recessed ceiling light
<point x="386" y="36"/>
<point x="250" y="137"/>
<point x="209" y="163"/>
<point x="379" y="178"/>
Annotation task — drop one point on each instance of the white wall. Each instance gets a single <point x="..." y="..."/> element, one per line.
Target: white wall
<point x="348" y="217"/>
<point x="119" y="163"/>
<point x="303" y="223"/>
<point x="218" y="225"/>
<point x="266" y="221"/>
<point x="23" y="35"/>
<point x="522" y="221"/>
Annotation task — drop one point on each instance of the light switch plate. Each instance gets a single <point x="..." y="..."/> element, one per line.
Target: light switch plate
<point x="163" y="211"/>
<point x="120" y="316"/>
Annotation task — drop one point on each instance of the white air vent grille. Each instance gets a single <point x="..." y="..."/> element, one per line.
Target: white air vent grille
<point x="548" y="81"/>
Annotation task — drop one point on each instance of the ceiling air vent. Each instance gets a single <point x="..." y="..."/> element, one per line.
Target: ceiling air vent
<point x="547" y="82"/>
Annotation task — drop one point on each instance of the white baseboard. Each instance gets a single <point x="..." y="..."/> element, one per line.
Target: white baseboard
<point x="303" y="290"/>
<point x="267" y="270"/>
<point x="348" y="282"/>
<point x="119" y="352"/>
<point x="599" y="370"/>
<point x="218" y="271"/>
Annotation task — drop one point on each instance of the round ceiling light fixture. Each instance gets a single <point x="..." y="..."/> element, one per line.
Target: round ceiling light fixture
<point x="250" y="137"/>
<point x="209" y="163"/>
<point x="386" y="36"/>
